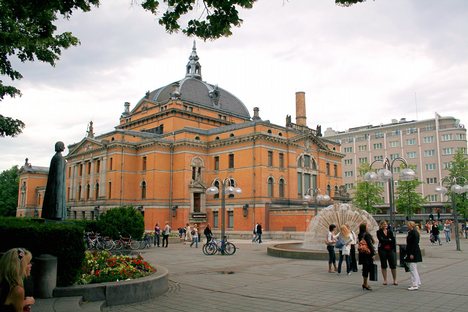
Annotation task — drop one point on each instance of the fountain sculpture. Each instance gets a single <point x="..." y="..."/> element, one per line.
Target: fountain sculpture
<point x="314" y="246"/>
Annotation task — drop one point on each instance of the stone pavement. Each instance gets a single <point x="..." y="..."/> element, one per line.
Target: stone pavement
<point x="250" y="280"/>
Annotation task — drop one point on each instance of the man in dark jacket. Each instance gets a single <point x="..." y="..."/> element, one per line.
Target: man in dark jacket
<point x="435" y="232"/>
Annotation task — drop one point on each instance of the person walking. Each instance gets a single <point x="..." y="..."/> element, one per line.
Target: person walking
<point x="255" y="237"/>
<point x="447" y="230"/>
<point x="15" y="265"/>
<point x="345" y="250"/>
<point x="413" y="254"/>
<point x="366" y="254"/>
<point x="166" y="232"/>
<point x="259" y="232"/>
<point x="188" y="233"/>
<point x="157" y="234"/>
<point x="435" y="232"/>
<point x="387" y="251"/>
<point x="331" y="241"/>
<point x="207" y="232"/>
<point x="194" y="235"/>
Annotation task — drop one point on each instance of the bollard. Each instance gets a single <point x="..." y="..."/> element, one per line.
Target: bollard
<point x="45" y="276"/>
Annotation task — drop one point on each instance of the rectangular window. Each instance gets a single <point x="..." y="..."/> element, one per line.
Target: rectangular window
<point x="394" y="143"/>
<point x="396" y="169"/>
<point x="379" y="135"/>
<point x="394" y="156"/>
<point x="430" y="167"/>
<point x="281" y="160"/>
<point x="69" y="172"/>
<point x="363" y="160"/>
<point x="429" y="153"/>
<point x="328" y="168"/>
<point x="431" y="180"/>
<point x="216" y="163"/>
<point x="110" y="163"/>
<point x="270" y="159"/>
<point x="89" y="167"/>
<point x="143" y="163"/>
<point x="109" y="191"/>
<point x="306" y="182"/>
<point x="215" y="219"/>
<point x="411" y="130"/>
<point x="448" y="151"/>
<point x="379" y="157"/>
<point x="362" y="148"/>
<point x="432" y="198"/>
<point x="447" y="165"/>
<point x="348" y="174"/>
<point x="411" y="155"/>
<point x="411" y="141"/>
<point x="460" y="136"/>
<point x="98" y="166"/>
<point x="349" y="186"/>
<point x="348" y="161"/>
<point x="447" y="137"/>
<point x="428" y="139"/>
<point x="299" y="183"/>
<point x="348" y="149"/>
<point x="231" y="161"/>
<point x="81" y="170"/>
<point x="335" y="170"/>
<point x="378" y="146"/>
<point x="230" y="223"/>
<point x="83" y="215"/>
<point x="306" y="161"/>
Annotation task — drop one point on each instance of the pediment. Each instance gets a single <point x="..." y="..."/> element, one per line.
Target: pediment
<point x="85" y="145"/>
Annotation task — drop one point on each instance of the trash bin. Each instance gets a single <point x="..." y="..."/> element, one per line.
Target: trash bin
<point x="402" y="251"/>
<point x="44" y="275"/>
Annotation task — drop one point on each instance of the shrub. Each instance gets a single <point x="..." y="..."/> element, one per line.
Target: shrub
<point x="125" y="221"/>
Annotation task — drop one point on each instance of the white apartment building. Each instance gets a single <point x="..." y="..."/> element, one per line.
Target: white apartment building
<point x="428" y="145"/>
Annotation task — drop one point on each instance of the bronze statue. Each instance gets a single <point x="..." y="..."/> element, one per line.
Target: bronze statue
<point x="54" y="206"/>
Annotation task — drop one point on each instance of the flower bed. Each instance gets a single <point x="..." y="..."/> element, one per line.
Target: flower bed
<point x="102" y="266"/>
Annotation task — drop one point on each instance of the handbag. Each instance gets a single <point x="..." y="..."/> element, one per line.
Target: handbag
<point x="339" y="243"/>
<point x="363" y="247"/>
<point x="373" y="273"/>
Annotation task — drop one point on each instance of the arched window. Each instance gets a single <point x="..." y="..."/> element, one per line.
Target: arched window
<point x="329" y="190"/>
<point x="328" y="169"/>
<point x="314" y="164"/>
<point x="96" y="191"/>
<point x="88" y="191"/>
<point x="219" y="188"/>
<point x="270" y="187"/>
<point x="281" y="188"/>
<point x="143" y="190"/>
<point x="336" y="190"/>
<point x="306" y="174"/>
<point x="79" y="192"/>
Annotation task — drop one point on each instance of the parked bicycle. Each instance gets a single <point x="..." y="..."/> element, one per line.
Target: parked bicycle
<point x="96" y="241"/>
<point x="126" y="243"/>
<point x="222" y="246"/>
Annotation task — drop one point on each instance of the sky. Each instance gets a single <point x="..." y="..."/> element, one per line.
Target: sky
<point x="365" y="64"/>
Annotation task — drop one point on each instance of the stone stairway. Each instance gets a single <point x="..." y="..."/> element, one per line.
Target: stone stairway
<point x="67" y="304"/>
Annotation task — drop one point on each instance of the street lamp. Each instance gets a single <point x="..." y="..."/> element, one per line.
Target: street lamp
<point x="315" y="193"/>
<point x="385" y="174"/>
<point x="228" y="186"/>
<point x="455" y="189"/>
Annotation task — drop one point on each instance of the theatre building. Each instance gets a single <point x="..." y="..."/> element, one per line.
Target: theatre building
<point x="185" y="137"/>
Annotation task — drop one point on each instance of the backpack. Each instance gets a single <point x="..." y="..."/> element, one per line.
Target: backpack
<point x="363" y="247"/>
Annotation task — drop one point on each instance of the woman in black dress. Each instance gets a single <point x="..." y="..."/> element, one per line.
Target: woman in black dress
<point x="366" y="254"/>
<point x="387" y="251"/>
<point x="413" y="254"/>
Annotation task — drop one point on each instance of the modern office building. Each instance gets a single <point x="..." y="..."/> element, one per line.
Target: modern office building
<point x="427" y="145"/>
<point x="185" y="137"/>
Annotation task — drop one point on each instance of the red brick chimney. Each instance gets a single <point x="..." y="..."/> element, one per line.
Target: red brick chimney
<point x="301" y="118"/>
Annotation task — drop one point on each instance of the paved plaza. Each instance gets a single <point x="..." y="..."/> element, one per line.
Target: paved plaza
<point x="251" y="280"/>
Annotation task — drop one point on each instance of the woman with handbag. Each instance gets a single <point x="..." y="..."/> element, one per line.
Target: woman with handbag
<point x="366" y="254"/>
<point x="387" y="251"/>
<point x="413" y="254"/>
<point x="345" y="249"/>
<point x="331" y="241"/>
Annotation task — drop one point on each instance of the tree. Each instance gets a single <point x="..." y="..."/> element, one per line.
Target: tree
<point x="459" y="170"/>
<point x="125" y="221"/>
<point x="28" y="32"/>
<point x="368" y="194"/>
<point x="9" y="181"/>
<point x="408" y="199"/>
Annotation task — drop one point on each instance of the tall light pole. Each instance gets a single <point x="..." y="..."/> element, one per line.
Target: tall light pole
<point x="228" y="186"/>
<point x="455" y="188"/>
<point x="314" y="193"/>
<point x="385" y="174"/>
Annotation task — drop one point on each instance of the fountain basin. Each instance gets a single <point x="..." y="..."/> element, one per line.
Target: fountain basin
<point x="296" y="251"/>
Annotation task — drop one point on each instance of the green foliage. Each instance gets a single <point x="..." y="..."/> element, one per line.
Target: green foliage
<point x="9" y="180"/>
<point x="125" y="221"/>
<point x="28" y="32"/>
<point x="459" y="171"/>
<point x="368" y="194"/>
<point x="61" y="239"/>
<point x="408" y="199"/>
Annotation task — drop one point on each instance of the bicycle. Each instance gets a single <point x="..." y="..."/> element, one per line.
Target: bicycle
<point x="126" y="243"/>
<point x="223" y="246"/>
<point x="96" y="241"/>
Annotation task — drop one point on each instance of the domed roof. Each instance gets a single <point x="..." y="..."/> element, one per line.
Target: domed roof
<point x="194" y="90"/>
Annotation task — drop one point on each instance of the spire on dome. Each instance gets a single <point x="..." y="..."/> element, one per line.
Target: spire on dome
<point x="193" y="66"/>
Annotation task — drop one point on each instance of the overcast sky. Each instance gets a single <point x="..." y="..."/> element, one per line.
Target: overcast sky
<point x="364" y="64"/>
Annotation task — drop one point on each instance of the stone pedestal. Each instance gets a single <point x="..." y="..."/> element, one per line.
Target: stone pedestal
<point x="45" y="276"/>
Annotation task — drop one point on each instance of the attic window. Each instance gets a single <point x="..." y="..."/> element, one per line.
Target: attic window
<point x="112" y="139"/>
<point x="197" y="138"/>
<point x="280" y="134"/>
<point x="217" y="138"/>
<point x="269" y="131"/>
<point x="231" y="135"/>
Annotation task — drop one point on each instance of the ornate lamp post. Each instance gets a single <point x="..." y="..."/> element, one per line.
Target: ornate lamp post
<point x="228" y="186"/>
<point x="454" y="189"/>
<point x="385" y="174"/>
<point x="315" y="194"/>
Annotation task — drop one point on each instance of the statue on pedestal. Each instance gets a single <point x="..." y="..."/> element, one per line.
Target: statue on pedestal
<point x="54" y="206"/>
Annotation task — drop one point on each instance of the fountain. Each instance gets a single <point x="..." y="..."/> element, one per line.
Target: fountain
<point x="314" y="247"/>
